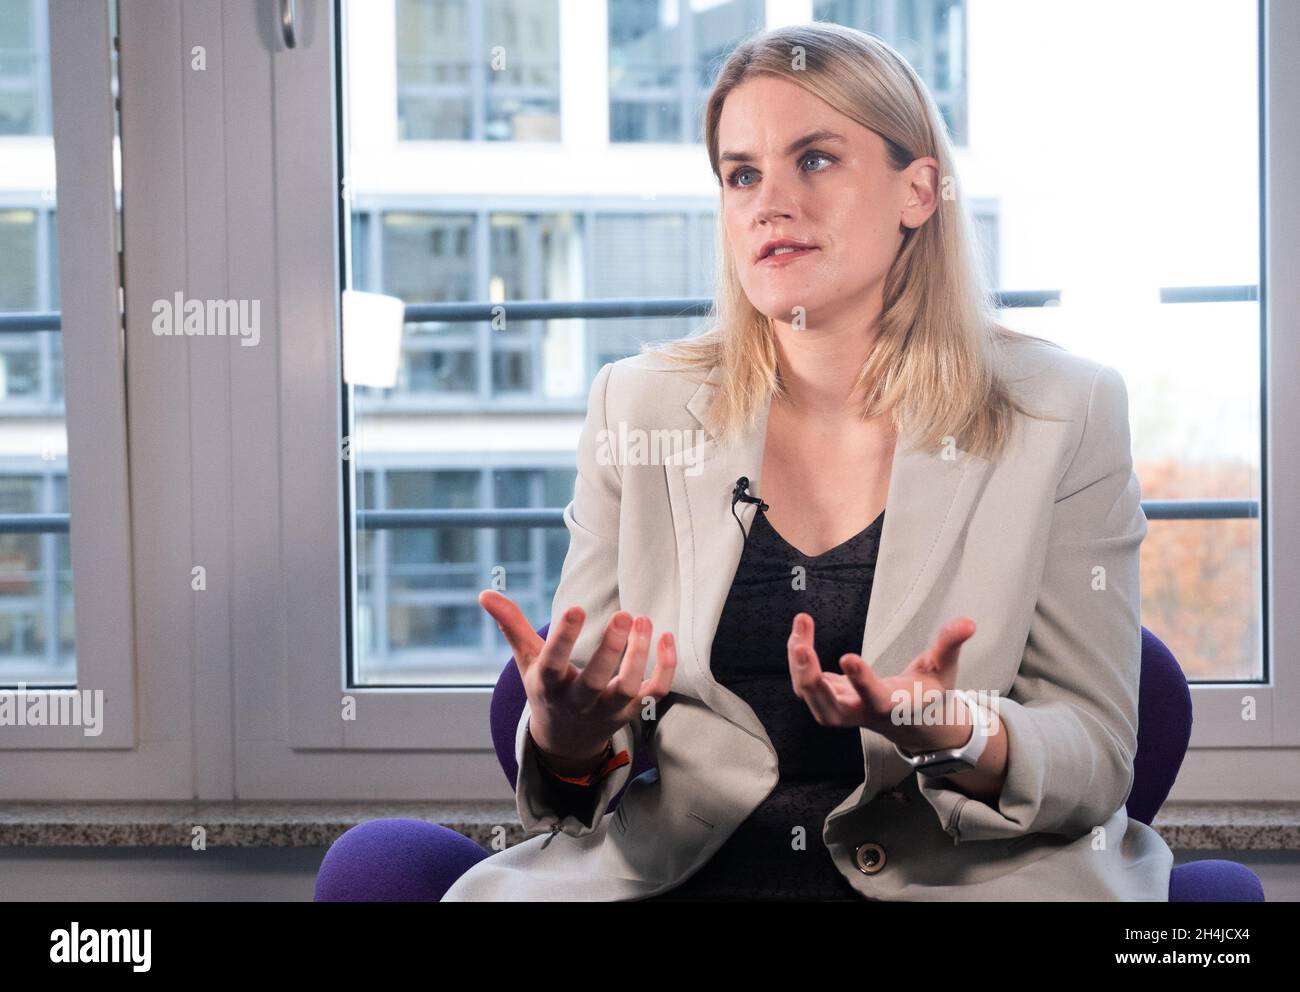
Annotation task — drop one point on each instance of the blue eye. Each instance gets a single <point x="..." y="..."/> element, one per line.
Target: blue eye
<point x="817" y="155"/>
<point x="733" y="177"/>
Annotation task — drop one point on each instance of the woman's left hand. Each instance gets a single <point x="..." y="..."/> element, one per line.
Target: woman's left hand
<point x="861" y="698"/>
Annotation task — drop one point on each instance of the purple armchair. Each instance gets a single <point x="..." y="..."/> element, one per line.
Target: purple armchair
<point x="405" y="860"/>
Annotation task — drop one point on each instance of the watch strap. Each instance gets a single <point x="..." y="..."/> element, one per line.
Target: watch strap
<point x="947" y="761"/>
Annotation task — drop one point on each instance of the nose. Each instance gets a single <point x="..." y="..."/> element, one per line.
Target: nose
<point x="773" y="209"/>
<point x="773" y="214"/>
<point x="775" y="202"/>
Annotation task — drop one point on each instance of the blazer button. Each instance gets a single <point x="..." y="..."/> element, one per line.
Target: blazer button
<point x="870" y="858"/>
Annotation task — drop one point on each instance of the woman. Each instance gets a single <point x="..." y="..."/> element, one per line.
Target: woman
<point x="854" y="364"/>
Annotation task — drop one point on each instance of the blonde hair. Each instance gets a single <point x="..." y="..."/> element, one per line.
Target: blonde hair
<point x="932" y="366"/>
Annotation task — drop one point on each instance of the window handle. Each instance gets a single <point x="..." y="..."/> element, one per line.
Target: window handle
<point x="288" y="23"/>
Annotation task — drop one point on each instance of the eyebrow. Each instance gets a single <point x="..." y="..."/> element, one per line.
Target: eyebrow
<point x="812" y="137"/>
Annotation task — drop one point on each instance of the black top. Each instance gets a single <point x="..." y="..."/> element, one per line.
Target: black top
<point x="819" y="766"/>
<point x="764" y="859"/>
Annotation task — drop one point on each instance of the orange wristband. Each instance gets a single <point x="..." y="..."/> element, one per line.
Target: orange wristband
<point x="609" y="762"/>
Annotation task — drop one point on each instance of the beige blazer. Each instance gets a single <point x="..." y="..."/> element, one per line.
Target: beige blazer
<point x="1039" y="548"/>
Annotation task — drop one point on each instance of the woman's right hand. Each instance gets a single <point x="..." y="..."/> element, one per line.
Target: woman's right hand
<point x="575" y="711"/>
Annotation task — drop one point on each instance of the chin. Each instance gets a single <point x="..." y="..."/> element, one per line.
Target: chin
<point x="782" y="308"/>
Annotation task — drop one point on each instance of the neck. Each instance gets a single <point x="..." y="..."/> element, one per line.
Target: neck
<point x="818" y="369"/>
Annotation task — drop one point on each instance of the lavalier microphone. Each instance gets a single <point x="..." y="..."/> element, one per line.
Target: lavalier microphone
<point x="739" y="494"/>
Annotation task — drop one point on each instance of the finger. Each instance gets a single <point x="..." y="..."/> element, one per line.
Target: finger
<point x="552" y="662"/>
<point x="658" y="685"/>
<point x="519" y="634"/>
<point x="871" y="690"/>
<point x="801" y="638"/>
<point x="661" y="682"/>
<point x="948" y="642"/>
<point x="802" y="628"/>
<point x="632" y="671"/>
<point x="810" y="686"/>
<point x="604" y="661"/>
<point x="801" y="635"/>
<point x="846" y="695"/>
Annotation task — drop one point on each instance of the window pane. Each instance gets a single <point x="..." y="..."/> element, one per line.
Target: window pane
<point x="484" y="414"/>
<point x="930" y="34"/>
<point x="24" y="68"/>
<point x="523" y="82"/>
<point x="664" y="56"/>
<point x="512" y="93"/>
<point x="646" y="71"/>
<point x="18" y="243"/>
<point x="36" y="602"/>
<point x="641" y="255"/>
<point x="536" y="257"/>
<point x="1194" y="411"/>
<point x="429" y="258"/>
<point x="433" y="69"/>
<point x="1065" y="221"/>
<point x="502" y="400"/>
<point x="716" y="28"/>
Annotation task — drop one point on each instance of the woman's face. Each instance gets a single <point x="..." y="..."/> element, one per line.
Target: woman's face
<point x="836" y="192"/>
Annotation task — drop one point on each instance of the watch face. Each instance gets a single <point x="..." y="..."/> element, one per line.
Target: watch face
<point x="948" y="766"/>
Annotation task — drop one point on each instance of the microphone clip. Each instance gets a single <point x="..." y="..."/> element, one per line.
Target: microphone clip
<point x="739" y="495"/>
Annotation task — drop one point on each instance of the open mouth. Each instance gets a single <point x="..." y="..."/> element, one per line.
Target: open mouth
<point x="785" y="254"/>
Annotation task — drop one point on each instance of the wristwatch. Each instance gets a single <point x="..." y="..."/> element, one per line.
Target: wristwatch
<point x="949" y="761"/>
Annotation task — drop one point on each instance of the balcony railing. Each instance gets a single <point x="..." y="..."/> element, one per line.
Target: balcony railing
<point x="1155" y="509"/>
<point x="452" y="313"/>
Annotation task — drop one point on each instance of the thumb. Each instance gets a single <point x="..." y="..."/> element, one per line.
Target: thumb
<point x="510" y="620"/>
<point x="948" y="642"/>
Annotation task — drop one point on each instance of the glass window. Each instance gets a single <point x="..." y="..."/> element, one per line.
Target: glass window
<point x="664" y="56"/>
<point x="523" y="91"/>
<point x="417" y="615"/>
<point x="507" y="396"/>
<point x="24" y="68"/>
<point x="429" y="258"/>
<point x="535" y="257"/>
<point x="484" y="414"/>
<point x="478" y="70"/>
<point x="22" y="233"/>
<point x="434" y="92"/>
<point x="647" y="255"/>
<point x="930" y="34"/>
<point x="1064" y="224"/>
<point x="36" y="602"/>
<point x="432" y="257"/>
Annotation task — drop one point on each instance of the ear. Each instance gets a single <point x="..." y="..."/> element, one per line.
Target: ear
<point x="924" y="190"/>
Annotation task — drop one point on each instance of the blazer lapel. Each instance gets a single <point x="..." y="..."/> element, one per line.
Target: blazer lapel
<point x="930" y="500"/>
<point x="709" y="546"/>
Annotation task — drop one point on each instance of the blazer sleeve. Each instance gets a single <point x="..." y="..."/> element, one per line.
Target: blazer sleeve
<point x="588" y="578"/>
<point x="1071" y="713"/>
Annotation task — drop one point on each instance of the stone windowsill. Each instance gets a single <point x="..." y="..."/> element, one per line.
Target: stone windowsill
<point x="1184" y="826"/>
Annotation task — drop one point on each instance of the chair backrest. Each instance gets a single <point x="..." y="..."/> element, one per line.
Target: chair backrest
<point x="1164" y="726"/>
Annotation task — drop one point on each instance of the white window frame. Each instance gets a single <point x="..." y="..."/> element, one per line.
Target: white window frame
<point x="1222" y="739"/>
<point x="1231" y="757"/>
<point x="95" y="404"/>
<point x="231" y="192"/>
